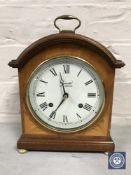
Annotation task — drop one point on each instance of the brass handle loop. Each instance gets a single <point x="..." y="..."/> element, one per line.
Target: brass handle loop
<point x="67" y="17"/>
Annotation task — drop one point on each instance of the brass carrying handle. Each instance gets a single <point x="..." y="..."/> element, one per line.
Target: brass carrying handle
<point x="67" y="17"/>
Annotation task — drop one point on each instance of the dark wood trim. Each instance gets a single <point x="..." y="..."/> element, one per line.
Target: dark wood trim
<point x="64" y="38"/>
<point x="97" y="144"/>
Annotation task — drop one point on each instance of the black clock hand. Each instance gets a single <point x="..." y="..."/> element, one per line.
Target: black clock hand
<point x="52" y="115"/>
<point x="62" y="83"/>
<point x="65" y="96"/>
<point x="63" y="99"/>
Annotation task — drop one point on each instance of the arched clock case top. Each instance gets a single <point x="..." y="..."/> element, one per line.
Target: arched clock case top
<point x="66" y="43"/>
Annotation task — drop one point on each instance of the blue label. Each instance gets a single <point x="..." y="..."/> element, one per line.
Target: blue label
<point x="117" y="160"/>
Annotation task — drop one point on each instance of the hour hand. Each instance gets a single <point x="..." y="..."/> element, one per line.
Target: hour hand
<point x="61" y="79"/>
<point x="62" y="83"/>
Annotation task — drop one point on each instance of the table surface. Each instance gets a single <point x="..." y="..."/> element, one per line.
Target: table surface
<point x="60" y="163"/>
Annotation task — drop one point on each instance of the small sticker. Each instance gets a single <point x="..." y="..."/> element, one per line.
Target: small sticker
<point x="117" y="160"/>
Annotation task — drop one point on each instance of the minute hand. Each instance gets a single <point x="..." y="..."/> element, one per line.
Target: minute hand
<point x="54" y="112"/>
<point x="63" y="99"/>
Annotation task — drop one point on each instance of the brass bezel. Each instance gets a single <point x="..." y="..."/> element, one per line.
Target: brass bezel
<point x="52" y="128"/>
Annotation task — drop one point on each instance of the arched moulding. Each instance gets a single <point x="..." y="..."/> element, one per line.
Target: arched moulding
<point x="65" y="37"/>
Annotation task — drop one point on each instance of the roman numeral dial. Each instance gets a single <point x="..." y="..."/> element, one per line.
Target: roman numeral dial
<point x="65" y="94"/>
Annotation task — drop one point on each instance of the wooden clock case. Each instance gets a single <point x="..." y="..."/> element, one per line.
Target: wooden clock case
<point x="96" y="137"/>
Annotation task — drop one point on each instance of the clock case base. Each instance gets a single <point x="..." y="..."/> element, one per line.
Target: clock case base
<point x="95" y="144"/>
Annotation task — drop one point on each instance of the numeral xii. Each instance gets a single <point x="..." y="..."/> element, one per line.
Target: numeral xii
<point x="66" y="69"/>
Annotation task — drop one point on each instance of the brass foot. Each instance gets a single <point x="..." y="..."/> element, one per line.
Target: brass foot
<point x="106" y="153"/>
<point x="22" y="151"/>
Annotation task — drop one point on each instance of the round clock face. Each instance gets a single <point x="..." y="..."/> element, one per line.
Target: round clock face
<point x="65" y="94"/>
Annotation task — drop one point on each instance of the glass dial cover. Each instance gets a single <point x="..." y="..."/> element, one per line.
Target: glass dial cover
<point x="65" y="94"/>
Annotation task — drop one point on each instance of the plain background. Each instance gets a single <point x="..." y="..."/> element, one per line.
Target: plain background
<point x="24" y="21"/>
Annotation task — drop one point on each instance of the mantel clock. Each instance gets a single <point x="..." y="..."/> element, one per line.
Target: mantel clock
<point x="66" y="85"/>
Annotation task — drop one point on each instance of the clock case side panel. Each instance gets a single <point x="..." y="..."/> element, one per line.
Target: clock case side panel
<point x="42" y="138"/>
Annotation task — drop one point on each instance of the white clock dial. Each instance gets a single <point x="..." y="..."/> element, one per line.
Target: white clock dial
<point x="65" y="94"/>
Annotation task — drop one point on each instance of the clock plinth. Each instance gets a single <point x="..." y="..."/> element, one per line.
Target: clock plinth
<point x="93" y="144"/>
